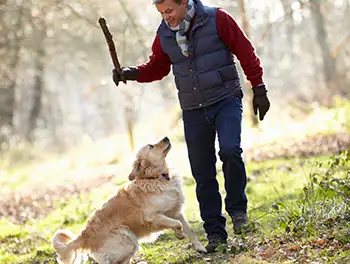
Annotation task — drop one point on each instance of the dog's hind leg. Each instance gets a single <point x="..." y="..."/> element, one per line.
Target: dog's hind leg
<point x="190" y="233"/>
<point x="119" y="247"/>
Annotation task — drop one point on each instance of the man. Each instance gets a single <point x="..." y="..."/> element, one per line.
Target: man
<point x="199" y="42"/>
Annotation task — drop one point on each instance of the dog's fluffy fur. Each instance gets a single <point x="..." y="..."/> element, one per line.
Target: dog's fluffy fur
<point x="151" y="202"/>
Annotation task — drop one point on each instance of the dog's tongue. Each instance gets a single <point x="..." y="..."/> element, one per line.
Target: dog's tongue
<point x="166" y="176"/>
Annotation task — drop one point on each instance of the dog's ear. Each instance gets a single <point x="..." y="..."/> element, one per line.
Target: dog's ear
<point x="135" y="170"/>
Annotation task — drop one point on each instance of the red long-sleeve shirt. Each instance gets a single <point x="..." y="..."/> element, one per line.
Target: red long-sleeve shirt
<point x="230" y="33"/>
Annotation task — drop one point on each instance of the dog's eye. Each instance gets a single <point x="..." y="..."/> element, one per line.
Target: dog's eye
<point x="151" y="146"/>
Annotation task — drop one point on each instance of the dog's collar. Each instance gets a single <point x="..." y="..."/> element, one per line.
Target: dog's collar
<point x="165" y="176"/>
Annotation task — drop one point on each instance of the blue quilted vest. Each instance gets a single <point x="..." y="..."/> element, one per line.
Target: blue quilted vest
<point x="208" y="74"/>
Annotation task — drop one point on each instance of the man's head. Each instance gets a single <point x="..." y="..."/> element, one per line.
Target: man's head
<point x="173" y="11"/>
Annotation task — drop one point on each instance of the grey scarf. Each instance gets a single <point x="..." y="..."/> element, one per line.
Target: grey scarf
<point x="183" y="27"/>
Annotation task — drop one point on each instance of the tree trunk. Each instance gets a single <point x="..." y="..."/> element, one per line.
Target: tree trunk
<point x="39" y="81"/>
<point x="130" y="119"/>
<point x="288" y="17"/>
<point x="7" y="87"/>
<point x="329" y="62"/>
<point x="245" y="84"/>
<point x="347" y="13"/>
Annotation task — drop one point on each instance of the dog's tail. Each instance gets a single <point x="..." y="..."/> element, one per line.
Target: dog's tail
<point x="67" y="247"/>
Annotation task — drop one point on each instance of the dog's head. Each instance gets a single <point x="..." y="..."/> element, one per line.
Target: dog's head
<point x="150" y="161"/>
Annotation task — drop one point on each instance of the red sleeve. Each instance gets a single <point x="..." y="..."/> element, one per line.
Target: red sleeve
<point x="158" y="65"/>
<point x="236" y="40"/>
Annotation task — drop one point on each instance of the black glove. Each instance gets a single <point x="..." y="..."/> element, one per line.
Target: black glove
<point x="127" y="73"/>
<point x="260" y="101"/>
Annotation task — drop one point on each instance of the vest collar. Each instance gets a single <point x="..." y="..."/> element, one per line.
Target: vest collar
<point x="201" y="14"/>
<point x="201" y="17"/>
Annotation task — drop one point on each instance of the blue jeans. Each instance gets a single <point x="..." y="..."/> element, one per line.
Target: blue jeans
<point x="201" y="126"/>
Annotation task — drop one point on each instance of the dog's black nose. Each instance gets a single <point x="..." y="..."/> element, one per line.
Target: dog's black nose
<point x="166" y="140"/>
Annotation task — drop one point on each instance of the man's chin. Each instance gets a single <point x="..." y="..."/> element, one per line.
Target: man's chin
<point x="173" y="24"/>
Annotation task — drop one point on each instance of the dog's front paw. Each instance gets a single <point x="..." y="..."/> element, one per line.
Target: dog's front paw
<point x="179" y="234"/>
<point x="199" y="248"/>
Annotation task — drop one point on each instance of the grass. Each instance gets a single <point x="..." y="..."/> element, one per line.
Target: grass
<point x="294" y="205"/>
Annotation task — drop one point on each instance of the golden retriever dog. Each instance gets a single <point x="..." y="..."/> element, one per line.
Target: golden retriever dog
<point x="152" y="201"/>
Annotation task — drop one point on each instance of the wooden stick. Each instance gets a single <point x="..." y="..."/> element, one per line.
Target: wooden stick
<point x="111" y="46"/>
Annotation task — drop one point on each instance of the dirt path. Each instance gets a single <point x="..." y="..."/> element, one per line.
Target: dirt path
<point x="311" y="146"/>
<point x="38" y="202"/>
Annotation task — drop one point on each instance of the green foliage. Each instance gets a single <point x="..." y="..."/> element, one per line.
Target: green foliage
<point x="323" y="208"/>
<point x="43" y="255"/>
